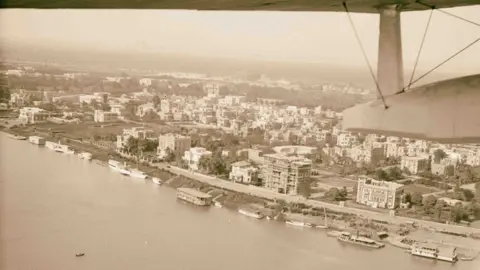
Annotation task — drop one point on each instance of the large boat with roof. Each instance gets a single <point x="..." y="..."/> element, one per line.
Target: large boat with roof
<point x="359" y="240"/>
<point x="119" y="167"/>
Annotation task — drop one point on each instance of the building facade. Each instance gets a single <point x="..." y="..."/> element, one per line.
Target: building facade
<point x="243" y="172"/>
<point x="176" y="143"/>
<point x="378" y="194"/>
<point x="283" y="173"/>
<point x="414" y="164"/>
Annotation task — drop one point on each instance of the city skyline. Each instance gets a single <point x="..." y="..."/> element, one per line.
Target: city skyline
<point x="283" y="36"/>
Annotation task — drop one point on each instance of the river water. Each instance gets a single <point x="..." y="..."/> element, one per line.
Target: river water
<point x="53" y="206"/>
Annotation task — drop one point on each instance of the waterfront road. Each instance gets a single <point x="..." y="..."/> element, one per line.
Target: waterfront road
<point x="261" y="192"/>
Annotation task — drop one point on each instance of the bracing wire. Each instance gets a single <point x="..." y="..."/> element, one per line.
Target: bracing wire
<point x="447" y="13"/>
<point x="420" y="50"/>
<point x="445" y="61"/>
<point x="449" y="58"/>
<point x="364" y="54"/>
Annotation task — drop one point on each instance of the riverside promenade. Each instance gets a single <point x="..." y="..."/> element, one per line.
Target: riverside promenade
<point x="263" y="193"/>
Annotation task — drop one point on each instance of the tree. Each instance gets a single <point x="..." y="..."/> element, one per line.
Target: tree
<point x="150" y="116"/>
<point x="156" y="101"/>
<point x="416" y="198"/>
<point x="170" y="155"/>
<point x="382" y="175"/>
<point x="438" y="155"/>
<point x="336" y="194"/>
<point x="458" y="213"/>
<point x="439" y="205"/>
<point x="395" y="173"/>
<point x="429" y="203"/>
<point x="304" y="188"/>
<point x="468" y="194"/>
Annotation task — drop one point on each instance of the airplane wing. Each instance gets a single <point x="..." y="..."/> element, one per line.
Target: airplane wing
<point x="445" y="111"/>
<point x="359" y="6"/>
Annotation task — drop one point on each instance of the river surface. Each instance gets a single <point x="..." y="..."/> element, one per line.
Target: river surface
<point x="53" y="206"/>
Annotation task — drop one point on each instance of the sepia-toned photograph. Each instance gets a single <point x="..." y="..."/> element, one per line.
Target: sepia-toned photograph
<point x="240" y="135"/>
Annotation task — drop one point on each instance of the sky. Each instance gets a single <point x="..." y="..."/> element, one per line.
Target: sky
<point x="285" y="36"/>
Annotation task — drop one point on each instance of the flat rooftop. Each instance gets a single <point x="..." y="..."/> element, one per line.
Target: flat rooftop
<point x="195" y="193"/>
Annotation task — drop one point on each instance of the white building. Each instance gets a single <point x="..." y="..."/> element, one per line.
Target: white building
<point x="243" y="172"/>
<point x="346" y="140"/>
<point x="414" y="164"/>
<point x="193" y="155"/>
<point x="101" y="116"/>
<point x="33" y="115"/>
<point x="378" y="194"/>
<point x="176" y="143"/>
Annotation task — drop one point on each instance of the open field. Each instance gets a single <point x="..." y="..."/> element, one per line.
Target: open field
<point x="422" y="189"/>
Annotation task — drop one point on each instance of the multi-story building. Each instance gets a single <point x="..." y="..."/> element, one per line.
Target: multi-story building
<point x="135" y="132"/>
<point x="243" y="172"/>
<point x="101" y="116"/>
<point x="33" y="115"/>
<point x="414" y="164"/>
<point x="176" y="143"/>
<point x="283" y="173"/>
<point x="346" y="140"/>
<point x="378" y="194"/>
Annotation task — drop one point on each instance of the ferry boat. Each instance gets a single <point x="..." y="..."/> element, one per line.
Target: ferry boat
<point x="136" y="173"/>
<point x="194" y="196"/>
<point x="432" y="251"/>
<point x="85" y="155"/>
<point x="57" y="147"/>
<point x="298" y="223"/>
<point x="36" y="140"/>
<point x="17" y="137"/>
<point x="157" y="180"/>
<point x="248" y="213"/>
<point x="119" y="167"/>
<point x="359" y="240"/>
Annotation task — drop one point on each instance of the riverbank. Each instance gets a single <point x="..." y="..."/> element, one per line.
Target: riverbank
<point x="231" y="199"/>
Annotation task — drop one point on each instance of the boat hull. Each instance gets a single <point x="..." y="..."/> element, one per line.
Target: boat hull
<point x="373" y="246"/>
<point x="250" y="214"/>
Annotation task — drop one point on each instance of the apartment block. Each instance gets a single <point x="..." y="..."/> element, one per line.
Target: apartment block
<point x="283" y="173"/>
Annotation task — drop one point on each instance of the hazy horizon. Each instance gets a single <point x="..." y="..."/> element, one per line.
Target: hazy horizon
<point x="309" y="37"/>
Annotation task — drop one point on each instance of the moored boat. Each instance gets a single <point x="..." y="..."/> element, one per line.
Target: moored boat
<point x="36" y="140"/>
<point x="250" y="213"/>
<point x="17" y="137"/>
<point x="60" y="148"/>
<point x="298" y="223"/>
<point x="359" y="240"/>
<point x="119" y="167"/>
<point x="156" y="180"/>
<point x="432" y="251"/>
<point x="136" y="173"/>
<point x="85" y="155"/>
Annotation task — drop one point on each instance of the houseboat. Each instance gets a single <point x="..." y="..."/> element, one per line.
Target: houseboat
<point x="36" y="140"/>
<point x="119" y="167"/>
<point x="57" y="147"/>
<point x="298" y="223"/>
<point x="194" y="196"/>
<point x="85" y="155"/>
<point x="17" y="137"/>
<point x="427" y="250"/>
<point x="136" y="173"/>
<point x="250" y="213"/>
<point x="359" y="240"/>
